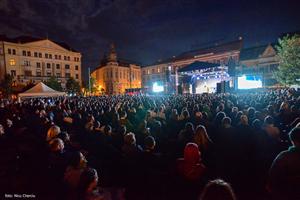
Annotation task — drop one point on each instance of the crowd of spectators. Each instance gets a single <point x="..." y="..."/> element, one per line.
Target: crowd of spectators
<point x="208" y="146"/>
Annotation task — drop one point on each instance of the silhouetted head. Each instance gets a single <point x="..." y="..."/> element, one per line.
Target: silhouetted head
<point x="217" y="190"/>
<point x="295" y="136"/>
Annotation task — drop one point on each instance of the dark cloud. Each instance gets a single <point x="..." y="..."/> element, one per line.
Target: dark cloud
<point x="147" y="30"/>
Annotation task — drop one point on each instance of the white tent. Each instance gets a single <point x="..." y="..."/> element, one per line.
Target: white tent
<point x="41" y="90"/>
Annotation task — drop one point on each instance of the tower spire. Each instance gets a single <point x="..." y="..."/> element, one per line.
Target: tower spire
<point x="112" y="57"/>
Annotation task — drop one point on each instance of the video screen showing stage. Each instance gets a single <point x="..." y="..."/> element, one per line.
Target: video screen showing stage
<point x="157" y="87"/>
<point x="249" y="82"/>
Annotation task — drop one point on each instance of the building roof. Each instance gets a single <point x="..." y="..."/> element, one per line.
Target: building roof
<point x="121" y="63"/>
<point x="198" y="66"/>
<point x="26" y="39"/>
<point x="253" y="52"/>
<point x="215" y="49"/>
<point x="230" y="46"/>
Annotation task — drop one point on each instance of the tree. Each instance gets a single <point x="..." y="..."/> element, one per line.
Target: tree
<point x="53" y="83"/>
<point x="6" y="85"/>
<point x="288" y="51"/>
<point x="28" y="86"/>
<point x="72" y="86"/>
<point x="93" y="85"/>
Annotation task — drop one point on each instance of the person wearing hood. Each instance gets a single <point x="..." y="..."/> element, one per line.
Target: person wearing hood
<point x="190" y="166"/>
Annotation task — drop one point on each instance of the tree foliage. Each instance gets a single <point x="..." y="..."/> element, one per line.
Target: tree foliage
<point x="28" y="86"/>
<point x="6" y="85"/>
<point x="72" y="86"/>
<point x="288" y="51"/>
<point x="93" y="84"/>
<point x="53" y="83"/>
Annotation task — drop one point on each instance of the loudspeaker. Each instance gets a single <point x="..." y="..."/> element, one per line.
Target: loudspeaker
<point x="226" y="86"/>
<point x="219" y="88"/>
<point x="231" y="66"/>
<point x="223" y="87"/>
<point x="179" y="89"/>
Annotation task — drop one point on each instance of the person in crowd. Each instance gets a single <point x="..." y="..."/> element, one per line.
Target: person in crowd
<point x="203" y="141"/>
<point x="217" y="190"/>
<point x="284" y="175"/>
<point x="124" y="121"/>
<point x="130" y="149"/>
<point x="190" y="166"/>
<point x="89" y="126"/>
<point x="271" y="129"/>
<point x="88" y="186"/>
<point x="77" y="164"/>
<point x="240" y="148"/>
<point x="187" y="134"/>
<point x="2" y="132"/>
<point x="118" y="137"/>
<point x="65" y="137"/>
<point x="52" y="132"/>
<point x="57" y="162"/>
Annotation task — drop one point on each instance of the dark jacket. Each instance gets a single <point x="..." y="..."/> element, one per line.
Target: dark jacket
<point x="284" y="177"/>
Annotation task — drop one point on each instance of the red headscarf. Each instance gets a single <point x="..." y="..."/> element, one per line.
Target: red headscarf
<point x="190" y="166"/>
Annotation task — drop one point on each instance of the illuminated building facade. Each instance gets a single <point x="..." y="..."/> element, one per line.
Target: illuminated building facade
<point x="166" y="71"/>
<point x="114" y="76"/>
<point x="259" y="61"/>
<point x="33" y="60"/>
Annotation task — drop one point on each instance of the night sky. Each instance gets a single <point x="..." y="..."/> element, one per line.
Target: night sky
<point x="147" y="30"/>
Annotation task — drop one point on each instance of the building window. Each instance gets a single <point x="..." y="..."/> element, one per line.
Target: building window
<point x="12" y="62"/>
<point x="28" y="53"/>
<point x="38" y="73"/>
<point x="76" y="67"/>
<point x="59" y="57"/>
<point x="48" y="65"/>
<point x="27" y="73"/>
<point x="46" y="55"/>
<point x="76" y="76"/>
<point x="26" y="63"/>
<point x="24" y="53"/>
<point x="55" y="56"/>
<point x="153" y="71"/>
<point x="14" y="52"/>
<point x="158" y="69"/>
<point x="49" y="74"/>
<point x="68" y="58"/>
<point x="13" y="73"/>
<point x="58" y="74"/>
<point x="35" y="54"/>
<point x="111" y="74"/>
<point x="68" y="75"/>
<point x="57" y="66"/>
<point x="9" y="51"/>
<point x="116" y="74"/>
<point x="67" y="66"/>
<point x="50" y="56"/>
<point x="65" y="57"/>
<point x="38" y="65"/>
<point x="40" y="55"/>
